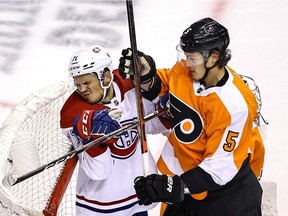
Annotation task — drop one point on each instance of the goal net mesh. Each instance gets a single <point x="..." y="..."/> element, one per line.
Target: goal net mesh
<point x="29" y="138"/>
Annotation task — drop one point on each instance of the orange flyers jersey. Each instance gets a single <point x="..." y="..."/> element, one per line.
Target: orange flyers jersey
<point x="211" y="129"/>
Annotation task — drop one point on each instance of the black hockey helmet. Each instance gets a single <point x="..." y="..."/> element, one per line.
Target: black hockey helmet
<point x="203" y="36"/>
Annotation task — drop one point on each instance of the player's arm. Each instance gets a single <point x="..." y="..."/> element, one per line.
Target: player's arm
<point x="96" y="161"/>
<point x="150" y="81"/>
<point x="216" y="170"/>
<point x="258" y="153"/>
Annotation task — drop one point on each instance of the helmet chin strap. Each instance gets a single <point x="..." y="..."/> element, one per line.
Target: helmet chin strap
<point x="105" y="88"/>
<point x="202" y="80"/>
<point x="207" y="69"/>
<point x="104" y="95"/>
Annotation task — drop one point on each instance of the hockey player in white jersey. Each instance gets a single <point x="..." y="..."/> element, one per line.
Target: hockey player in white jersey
<point x="104" y="102"/>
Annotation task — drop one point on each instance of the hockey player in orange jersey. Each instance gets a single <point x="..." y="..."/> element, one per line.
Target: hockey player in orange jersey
<point x="206" y="160"/>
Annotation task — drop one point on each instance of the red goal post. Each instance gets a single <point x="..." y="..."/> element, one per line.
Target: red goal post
<point x="30" y="137"/>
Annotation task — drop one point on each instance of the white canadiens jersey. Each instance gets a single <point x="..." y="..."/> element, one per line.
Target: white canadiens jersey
<point x="105" y="184"/>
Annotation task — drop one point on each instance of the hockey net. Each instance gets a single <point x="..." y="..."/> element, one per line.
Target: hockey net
<point x="30" y="137"/>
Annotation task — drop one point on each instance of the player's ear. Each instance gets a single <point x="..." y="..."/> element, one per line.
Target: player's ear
<point x="107" y="76"/>
<point x="215" y="55"/>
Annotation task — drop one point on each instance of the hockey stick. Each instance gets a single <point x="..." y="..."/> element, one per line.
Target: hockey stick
<point x="140" y="109"/>
<point x="11" y="181"/>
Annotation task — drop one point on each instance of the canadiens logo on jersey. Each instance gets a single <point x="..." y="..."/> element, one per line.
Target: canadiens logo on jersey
<point x="126" y="144"/>
<point x="189" y="123"/>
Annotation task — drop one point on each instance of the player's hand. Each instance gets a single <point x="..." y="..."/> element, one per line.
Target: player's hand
<point x="164" y="103"/>
<point x="159" y="188"/>
<point x="105" y="121"/>
<point x="147" y="66"/>
<point x="94" y="124"/>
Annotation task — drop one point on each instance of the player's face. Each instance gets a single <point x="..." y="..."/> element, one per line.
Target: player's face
<point x="88" y="86"/>
<point x="195" y="64"/>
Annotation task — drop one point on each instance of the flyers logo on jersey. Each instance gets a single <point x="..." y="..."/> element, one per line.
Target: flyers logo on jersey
<point x="187" y="124"/>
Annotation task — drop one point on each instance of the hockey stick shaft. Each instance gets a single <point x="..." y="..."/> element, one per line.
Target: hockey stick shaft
<point x="84" y="148"/>
<point x="140" y="109"/>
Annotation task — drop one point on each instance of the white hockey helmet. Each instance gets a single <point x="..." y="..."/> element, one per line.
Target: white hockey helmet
<point x="94" y="59"/>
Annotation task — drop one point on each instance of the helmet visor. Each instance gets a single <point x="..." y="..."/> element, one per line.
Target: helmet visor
<point x="189" y="59"/>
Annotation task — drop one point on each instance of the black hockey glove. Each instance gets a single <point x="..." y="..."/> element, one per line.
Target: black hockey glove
<point x="147" y="66"/>
<point x="159" y="188"/>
